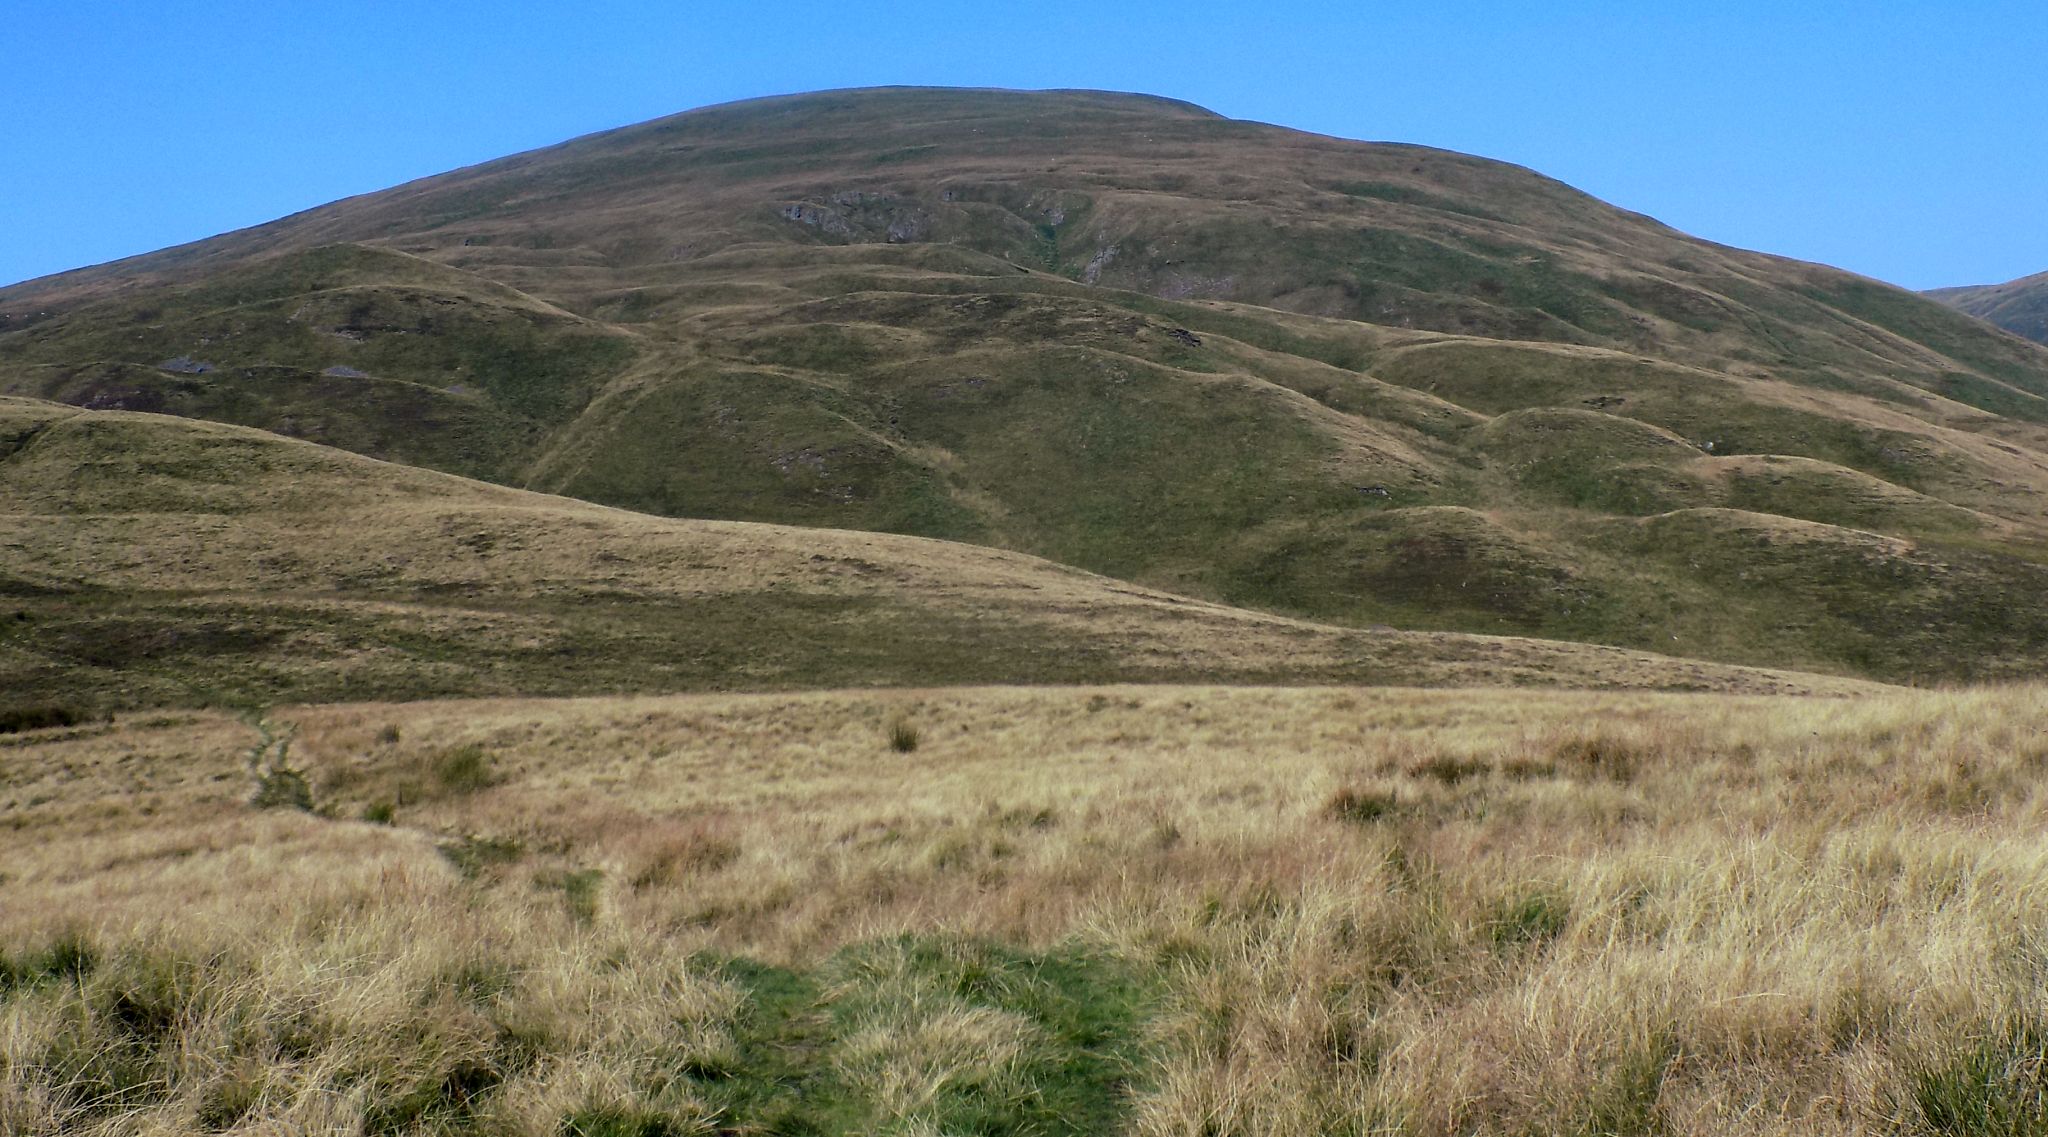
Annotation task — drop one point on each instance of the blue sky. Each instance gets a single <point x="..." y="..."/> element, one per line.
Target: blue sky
<point x="1908" y="141"/>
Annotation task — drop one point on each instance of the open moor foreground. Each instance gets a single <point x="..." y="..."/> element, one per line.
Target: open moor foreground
<point x="1156" y="910"/>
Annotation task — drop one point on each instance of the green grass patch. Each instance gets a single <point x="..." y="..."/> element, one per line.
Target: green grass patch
<point x="934" y="1034"/>
<point x="464" y="770"/>
<point x="1533" y="919"/>
<point x="68" y="958"/>
<point x="582" y="891"/>
<point x="904" y="736"/>
<point x="1361" y="807"/>
<point x="615" y="1121"/>
<point x="1996" y="1087"/>
<point x="474" y="856"/>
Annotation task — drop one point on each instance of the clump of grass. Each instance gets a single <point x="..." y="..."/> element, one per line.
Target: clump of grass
<point x="1448" y="769"/>
<point x="464" y="770"/>
<point x="626" y="1121"/>
<point x="678" y="854"/>
<point x="43" y="716"/>
<point x="1996" y="1088"/>
<point x="388" y="736"/>
<point x="1535" y="918"/>
<point x="1023" y="816"/>
<point x="478" y="979"/>
<point x="1624" y="1102"/>
<point x="904" y="735"/>
<point x="440" y="1034"/>
<point x="1527" y="769"/>
<point x="445" y="1100"/>
<point x="1598" y="756"/>
<point x="1360" y="807"/>
<point x="69" y="958"/>
<point x="581" y="890"/>
<point x="473" y="856"/>
<point x="380" y="813"/>
<point x="232" y="1096"/>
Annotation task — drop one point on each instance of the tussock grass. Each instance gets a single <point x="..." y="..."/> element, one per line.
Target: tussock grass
<point x="463" y="770"/>
<point x="14" y="720"/>
<point x="1143" y="910"/>
<point x="903" y="735"/>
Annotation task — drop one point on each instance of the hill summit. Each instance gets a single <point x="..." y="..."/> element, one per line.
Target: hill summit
<point x="1367" y="384"/>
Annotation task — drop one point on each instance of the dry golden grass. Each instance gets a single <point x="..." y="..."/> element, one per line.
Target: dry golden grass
<point x="1334" y="910"/>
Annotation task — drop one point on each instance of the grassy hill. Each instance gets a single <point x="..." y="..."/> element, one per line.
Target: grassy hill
<point x="147" y="560"/>
<point x="901" y="612"/>
<point x="2019" y="306"/>
<point x="1357" y="383"/>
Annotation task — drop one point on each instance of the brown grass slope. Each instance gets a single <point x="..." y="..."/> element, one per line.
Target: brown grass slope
<point x="1159" y="910"/>
<point x="149" y="560"/>
<point x="2019" y="306"/>
<point x="1351" y="382"/>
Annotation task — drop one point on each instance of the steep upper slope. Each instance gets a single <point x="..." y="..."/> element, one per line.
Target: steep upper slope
<point x="147" y="560"/>
<point x="2019" y="306"/>
<point x="1361" y="383"/>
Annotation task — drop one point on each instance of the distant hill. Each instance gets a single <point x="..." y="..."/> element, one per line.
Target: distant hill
<point x="2019" y="306"/>
<point x="1360" y="384"/>
<point x="145" y="560"/>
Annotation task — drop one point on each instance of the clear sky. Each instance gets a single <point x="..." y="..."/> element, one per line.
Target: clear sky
<point x="1908" y="141"/>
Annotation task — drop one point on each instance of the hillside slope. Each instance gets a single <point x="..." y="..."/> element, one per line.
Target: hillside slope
<point x="2019" y="306"/>
<point x="1361" y="383"/>
<point x="145" y="560"/>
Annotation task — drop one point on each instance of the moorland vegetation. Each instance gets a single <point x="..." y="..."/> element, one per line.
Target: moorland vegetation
<point x="1157" y="910"/>
<point x="1364" y="384"/>
<point x="912" y="612"/>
